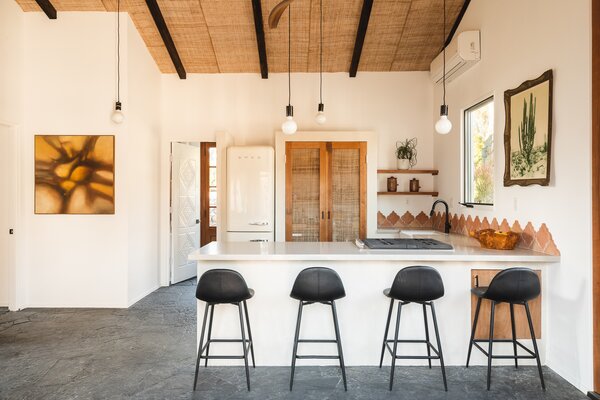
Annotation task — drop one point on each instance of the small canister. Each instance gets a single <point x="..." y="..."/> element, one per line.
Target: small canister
<point x="392" y="184"/>
<point x="414" y="185"/>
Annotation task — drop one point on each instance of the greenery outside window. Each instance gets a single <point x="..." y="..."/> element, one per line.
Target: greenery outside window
<point x="479" y="153"/>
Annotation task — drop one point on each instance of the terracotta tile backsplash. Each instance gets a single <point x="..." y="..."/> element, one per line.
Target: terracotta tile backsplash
<point x="537" y="240"/>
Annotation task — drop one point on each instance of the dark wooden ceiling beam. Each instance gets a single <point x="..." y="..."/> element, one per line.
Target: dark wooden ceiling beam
<point x="363" y="24"/>
<point x="166" y="37"/>
<point x="459" y="18"/>
<point x="47" y="8"/>
<point x="260" y="38"/>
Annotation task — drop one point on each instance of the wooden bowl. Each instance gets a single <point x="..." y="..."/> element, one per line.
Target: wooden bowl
<point x="498" y="240"/>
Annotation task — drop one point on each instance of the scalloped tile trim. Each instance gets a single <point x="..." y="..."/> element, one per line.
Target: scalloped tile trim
<point x="539" y="240"/>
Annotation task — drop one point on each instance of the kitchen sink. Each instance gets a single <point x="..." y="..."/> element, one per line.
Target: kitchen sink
<point x="406" y="244"/>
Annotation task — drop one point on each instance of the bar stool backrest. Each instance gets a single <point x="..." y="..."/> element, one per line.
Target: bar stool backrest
<point x="318" y="284"/>
<point x="417" y="283"/>
<point x="514" y="285"/>
<point x="222" y="286"/>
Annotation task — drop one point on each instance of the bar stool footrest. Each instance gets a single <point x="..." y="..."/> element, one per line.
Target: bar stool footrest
<point x="391" y="351"/>
<point x="530" y="356"/>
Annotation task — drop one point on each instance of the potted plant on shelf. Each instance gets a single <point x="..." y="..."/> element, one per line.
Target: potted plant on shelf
<point x="406" y="153"/>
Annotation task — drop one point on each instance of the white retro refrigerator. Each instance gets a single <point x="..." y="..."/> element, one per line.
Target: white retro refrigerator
<point x="250" y="193"/>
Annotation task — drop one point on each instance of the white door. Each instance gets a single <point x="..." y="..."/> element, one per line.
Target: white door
<point x="185" y="210"/>
<point x="7" y="210"/>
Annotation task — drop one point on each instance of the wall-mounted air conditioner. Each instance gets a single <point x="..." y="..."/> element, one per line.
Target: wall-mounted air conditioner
<point x="462" y="53"/>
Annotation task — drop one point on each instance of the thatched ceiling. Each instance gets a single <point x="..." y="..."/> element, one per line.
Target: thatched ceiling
<point x="218" y="36"/>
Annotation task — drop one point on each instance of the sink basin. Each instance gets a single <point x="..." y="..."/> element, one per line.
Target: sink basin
<point x="419" y="232"/>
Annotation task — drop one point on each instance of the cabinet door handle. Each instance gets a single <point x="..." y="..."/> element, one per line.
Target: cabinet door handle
<point x="328" y="214"/>
<point x="322" y="214"/>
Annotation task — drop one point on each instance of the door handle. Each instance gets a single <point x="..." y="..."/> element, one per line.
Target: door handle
<point x="322" y="214"/>
<point x="197" y="221"/>
<point x="328" y="214"/>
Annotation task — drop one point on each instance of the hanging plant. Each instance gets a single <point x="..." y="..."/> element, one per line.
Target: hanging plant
<point x="406" y="153"/>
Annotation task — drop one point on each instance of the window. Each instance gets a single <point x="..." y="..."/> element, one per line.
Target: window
<point x="479" y="153"/>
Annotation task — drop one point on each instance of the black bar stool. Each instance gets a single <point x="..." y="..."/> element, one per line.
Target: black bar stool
<point x="419" y="285"/>
<point x="318" y="285"/>
<point x="512" y="286"/>
<point x="224" y="286"/>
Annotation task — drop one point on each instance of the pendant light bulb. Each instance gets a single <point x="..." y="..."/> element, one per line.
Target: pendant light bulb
<point x="117" y="115"/>
<point x="443" y="126"/>
<point x="289" y="126"/>
<point x="320" y="117"/>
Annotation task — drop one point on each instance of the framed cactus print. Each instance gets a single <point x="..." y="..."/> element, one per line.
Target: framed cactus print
<point x="528" y="132"/>
<point x="74" y="174"/>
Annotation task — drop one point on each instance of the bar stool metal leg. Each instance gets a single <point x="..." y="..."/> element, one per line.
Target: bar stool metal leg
<point x="427" y="334"/>
<point x="491" y="342"/>
<point x="514" y="333"/>
<point x="339" y="344"/>
<point x="395" y="345"/>
<point x="200" y="345"/>
<point x="439" y="345"/>
<point x="249" y="334"/>
<point x="473" y="329"/>
<point x="210" y="323"/>
<point x="535" y="348"/>
<point x="387" y="328"/>
<point x="295" y="351"/>
<point x="244" y="347"/>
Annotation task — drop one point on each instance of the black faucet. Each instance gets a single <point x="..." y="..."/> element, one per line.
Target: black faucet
<point x="447" y="225"/>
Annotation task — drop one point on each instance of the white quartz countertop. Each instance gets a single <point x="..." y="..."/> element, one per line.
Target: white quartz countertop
<point x="465" y="249"/>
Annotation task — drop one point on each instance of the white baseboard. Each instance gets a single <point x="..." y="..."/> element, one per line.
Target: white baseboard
<point x="141" y="296"/>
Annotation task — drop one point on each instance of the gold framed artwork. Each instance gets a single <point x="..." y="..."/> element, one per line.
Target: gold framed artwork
<point x="74" y="174"/>
<point x="528" y="132"/>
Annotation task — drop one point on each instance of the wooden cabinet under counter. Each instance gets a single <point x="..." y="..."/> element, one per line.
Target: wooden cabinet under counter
<point x="502" y="328"/>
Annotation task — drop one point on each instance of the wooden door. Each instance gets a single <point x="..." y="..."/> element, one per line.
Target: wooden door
<point x="502" y="325"/>
<point x="325" y="191"/>
<point x="208" y="193"/>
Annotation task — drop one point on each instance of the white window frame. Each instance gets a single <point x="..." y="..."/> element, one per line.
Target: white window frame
<point x="465" y="185"/>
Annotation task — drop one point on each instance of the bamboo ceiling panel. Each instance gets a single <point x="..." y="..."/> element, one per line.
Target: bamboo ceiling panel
<point x="422" y="36"/>
<point x="214" y="36"/>
<point x="340" y="20"/>
<point x="231" y="28"/>
<point x="386" y="24"/>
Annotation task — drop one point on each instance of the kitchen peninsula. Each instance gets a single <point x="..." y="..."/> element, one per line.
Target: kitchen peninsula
<point x="271" y="267"/>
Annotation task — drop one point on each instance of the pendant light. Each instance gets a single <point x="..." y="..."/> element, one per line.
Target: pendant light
<point x="443" y="126"/>
<point x="117" y="115"/>
<point x="320" y="117"/>
<point x="289" y="126"/>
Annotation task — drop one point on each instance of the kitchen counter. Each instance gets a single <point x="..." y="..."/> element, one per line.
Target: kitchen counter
<point x="271" y="268"/>
<point x="465" y="249"/>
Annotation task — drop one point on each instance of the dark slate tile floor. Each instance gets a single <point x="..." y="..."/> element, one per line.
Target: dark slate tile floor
<point x="148" y="352"/>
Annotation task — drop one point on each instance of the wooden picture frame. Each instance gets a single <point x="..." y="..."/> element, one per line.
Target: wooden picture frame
<point x="528" y="132"/>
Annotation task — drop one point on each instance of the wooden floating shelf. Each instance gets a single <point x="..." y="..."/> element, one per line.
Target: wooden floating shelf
<point x="408" y="171"/>
<point x="434" y="194"/>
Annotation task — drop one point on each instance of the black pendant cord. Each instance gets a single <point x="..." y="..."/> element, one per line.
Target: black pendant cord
<point x="444" y="51"/>
<point x="289" y="55"/>
<point x="321" y="56"/>
<point x="118" y="51"/>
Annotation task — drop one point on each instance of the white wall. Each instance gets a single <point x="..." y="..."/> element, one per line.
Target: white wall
<point x="521" y="40"/>
<point x="70" y="65"/>
<point x="143" y="138"/>
<point x="393" y="105"/>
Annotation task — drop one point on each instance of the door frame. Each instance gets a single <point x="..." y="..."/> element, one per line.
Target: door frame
<point x="16" y="291"/>
<point x="596" y="189"/>
<point x="325" y="136"/>
<point x="204" y="194"/>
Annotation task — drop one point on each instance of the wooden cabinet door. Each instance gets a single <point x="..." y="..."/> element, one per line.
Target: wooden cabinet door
<point x="325" y="191"/>
<point x="347" y="191"/>
<point x="502" y="326"/>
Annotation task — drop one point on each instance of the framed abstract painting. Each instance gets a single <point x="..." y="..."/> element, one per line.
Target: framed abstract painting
<point x="75" y="174"/>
